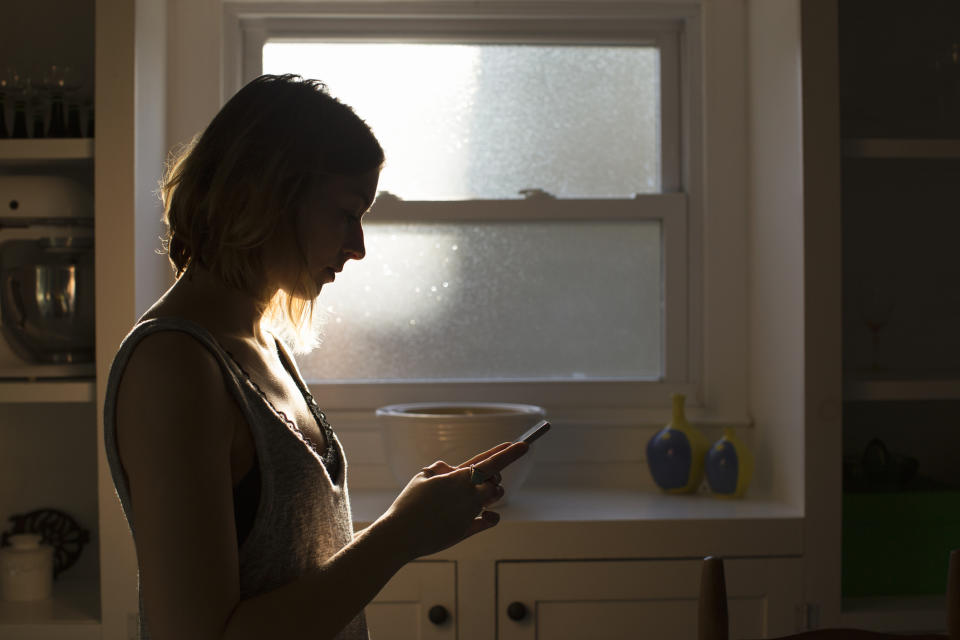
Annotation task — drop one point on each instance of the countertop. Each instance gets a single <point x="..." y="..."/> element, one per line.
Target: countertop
<point x="619" y="523"/>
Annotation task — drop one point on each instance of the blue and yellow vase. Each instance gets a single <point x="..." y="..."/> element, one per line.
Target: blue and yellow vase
<point x="675" y="453"/>
<point x="729" y="466"/>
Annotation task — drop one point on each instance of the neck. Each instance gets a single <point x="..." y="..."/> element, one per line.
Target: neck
<point x="226" y="310"/>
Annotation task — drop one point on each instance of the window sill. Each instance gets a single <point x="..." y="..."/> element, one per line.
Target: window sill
<point x="599" y="523"/>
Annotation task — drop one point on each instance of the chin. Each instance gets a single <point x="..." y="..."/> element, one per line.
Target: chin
<point x="308" y="289"/>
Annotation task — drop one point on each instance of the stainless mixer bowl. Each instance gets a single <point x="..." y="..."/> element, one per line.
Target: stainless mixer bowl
<point x="47" y="305"/>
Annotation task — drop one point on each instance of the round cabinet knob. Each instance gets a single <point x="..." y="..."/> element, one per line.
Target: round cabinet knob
<point x="517" y="611"/>
<point x="438" y="614"/>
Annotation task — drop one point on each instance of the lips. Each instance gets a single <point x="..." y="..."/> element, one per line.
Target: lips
<point x="330" y="273"/>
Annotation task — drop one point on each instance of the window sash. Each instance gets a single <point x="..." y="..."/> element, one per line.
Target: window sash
<point x="669" y="209"/>
<point x="340" y="24"/>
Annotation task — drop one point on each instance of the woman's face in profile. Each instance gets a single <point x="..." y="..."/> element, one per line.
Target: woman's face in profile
<point x="326" y="231"/>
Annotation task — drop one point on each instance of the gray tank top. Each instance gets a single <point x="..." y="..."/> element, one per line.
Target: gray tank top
<point x="303" y="515"/>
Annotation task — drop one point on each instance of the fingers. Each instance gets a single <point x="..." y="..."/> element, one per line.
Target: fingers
<point x="443" y="503"/>
<point x="504" y="456"/>
<point x="487" y="492"/>
<point x="480" y="457"/>
<point x="478" y="476"/>
<point x="484" y="521"/>
<point x="437" y="468"/>
<point x="492" y="461"/>
<point x="490" y="493"/>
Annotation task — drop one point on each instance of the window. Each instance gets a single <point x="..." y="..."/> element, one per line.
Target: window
<point x="487" y="121"/>
<point x="531" y="235"/>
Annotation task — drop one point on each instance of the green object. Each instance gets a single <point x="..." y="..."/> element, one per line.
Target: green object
<point x="898" y="543"/>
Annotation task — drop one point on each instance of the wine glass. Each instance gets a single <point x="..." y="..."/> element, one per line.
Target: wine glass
<point x="53" y="83"/>
<point x="71" y="83"/>
<point x="20" y="87"/>
<point x="877" y="303"/>
<point x="6" y="87"/>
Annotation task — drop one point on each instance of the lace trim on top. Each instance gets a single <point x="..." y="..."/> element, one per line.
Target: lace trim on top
<point x="329" y="457"/>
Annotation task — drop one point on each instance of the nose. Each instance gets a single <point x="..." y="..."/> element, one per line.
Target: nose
<point x="354" y="247"/>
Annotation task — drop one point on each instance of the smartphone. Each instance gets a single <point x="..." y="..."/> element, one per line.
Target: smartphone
<point x="535" y="432"/>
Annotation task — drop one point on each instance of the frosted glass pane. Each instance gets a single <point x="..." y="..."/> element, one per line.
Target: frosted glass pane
<point x="487" y="121"/>
<point x="559" y="300"/>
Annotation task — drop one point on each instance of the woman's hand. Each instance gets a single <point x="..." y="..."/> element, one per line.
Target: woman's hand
<point x="442" y="505"/>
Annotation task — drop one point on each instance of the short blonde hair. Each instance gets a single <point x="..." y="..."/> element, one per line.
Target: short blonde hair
<point x="226" y="192"/>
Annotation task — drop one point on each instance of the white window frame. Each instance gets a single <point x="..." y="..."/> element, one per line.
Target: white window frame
<point x="674" y="28"/>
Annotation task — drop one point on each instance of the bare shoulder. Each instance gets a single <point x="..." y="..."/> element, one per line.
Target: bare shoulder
<point x="172" y="387"/>
<point x="175" y="353"/>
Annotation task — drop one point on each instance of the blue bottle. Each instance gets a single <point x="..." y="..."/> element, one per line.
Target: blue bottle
<point x="675" y="453"/>
<point x="729" y="466"/>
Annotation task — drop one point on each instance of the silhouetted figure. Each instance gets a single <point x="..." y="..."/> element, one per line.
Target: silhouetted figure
<point x="232" y="480"/>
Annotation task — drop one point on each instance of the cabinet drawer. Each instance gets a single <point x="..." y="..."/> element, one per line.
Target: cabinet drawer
<point x="401" y="611"/>
<point x="653" y="598"/>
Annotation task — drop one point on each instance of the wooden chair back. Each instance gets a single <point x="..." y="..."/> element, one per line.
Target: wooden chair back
<point x="713" y="622"/>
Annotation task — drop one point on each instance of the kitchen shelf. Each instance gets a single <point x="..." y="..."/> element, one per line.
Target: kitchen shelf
<point x="48" y="391"/>
<point x="73" y="613"/>
<point x="896" y="614"/>
<point x="29" y="150"/>
<point x="867" y="389"/>
<point x="894" y="148"/>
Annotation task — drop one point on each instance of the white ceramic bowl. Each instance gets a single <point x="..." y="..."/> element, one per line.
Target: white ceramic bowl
<point x="419" y="434"/>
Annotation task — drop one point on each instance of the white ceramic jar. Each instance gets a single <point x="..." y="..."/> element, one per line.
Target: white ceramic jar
<point x="26" y="569"/>
<point x="418" y="434"/>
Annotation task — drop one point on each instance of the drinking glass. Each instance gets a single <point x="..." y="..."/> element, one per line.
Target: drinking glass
<point x="877" y="303"/>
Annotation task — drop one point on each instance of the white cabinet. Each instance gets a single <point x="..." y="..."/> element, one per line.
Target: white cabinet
<point x="576" y="599"/>
<point x="48" y="442"/>
<point x="48" y="456"/>
<point x="419" y="603"/>
<point x="603" y="563"/>
<point x="633" y="598"/>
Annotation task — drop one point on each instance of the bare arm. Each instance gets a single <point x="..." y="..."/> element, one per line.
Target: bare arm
<point x="174" y="432"/>
<point x="175" y="421"/>
<point x="323" y="601"/>
<point x="430" y="514"/>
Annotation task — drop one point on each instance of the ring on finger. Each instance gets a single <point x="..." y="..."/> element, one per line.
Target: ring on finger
<point x="477" y="476"/>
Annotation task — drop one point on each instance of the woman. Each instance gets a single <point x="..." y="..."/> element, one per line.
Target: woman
<point x="232" y="481"/>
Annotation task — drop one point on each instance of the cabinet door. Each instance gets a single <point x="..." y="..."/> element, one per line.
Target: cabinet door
<point x="401" y="611"/>
<point x="640" y="598"/>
